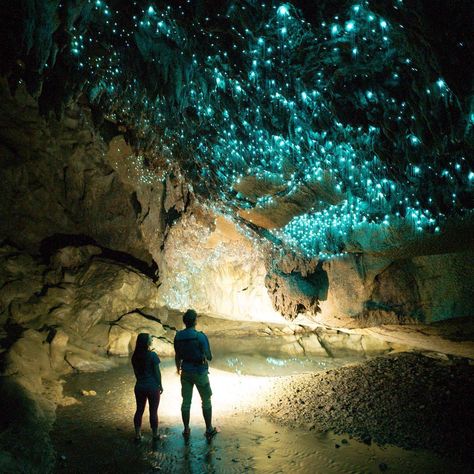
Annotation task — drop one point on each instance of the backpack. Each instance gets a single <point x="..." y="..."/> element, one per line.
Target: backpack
<point x="190" y="349"/>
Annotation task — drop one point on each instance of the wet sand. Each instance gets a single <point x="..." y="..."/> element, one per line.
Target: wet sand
<point x="96" y="435"/>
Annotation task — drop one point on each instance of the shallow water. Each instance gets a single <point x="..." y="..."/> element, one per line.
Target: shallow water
<point x="257" y="355"/>
<point x="96" y="435"/>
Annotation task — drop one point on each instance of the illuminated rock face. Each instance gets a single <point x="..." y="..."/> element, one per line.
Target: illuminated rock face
<point x="207" y="265"/>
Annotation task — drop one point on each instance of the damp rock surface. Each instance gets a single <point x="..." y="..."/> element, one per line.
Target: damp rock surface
<point x="406" y="399"/>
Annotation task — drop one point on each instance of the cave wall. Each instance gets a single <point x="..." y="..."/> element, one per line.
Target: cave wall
<point x="209" y="265"/>
<point x="62" y="177"/>
<point x="56" y="180"/>
<point x="363" y="290"/>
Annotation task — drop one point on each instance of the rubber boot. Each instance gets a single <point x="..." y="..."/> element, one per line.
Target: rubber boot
<point x="185" y="414"/>
<point x="207" y="414"/>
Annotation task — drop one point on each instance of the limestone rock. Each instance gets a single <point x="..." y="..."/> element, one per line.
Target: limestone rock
<point x="444" y="284"/>
<point x="136" y="322"/>
<point x="290" y="346"/>
<point x="208" y="265"/>
<point x="96" y="338"/>
<point x="119" y="341"/>
<point x="292" y="294"/>
<point x="106" y="291"/>
<point x="395" y="289"/>
<point x="57" y="350"/>
<point x="162" y="346"/>
<point x="85" y="361"/>
<point x="312" y="346"/>
<point x="20" y="276"/>
<point x="348" y="290"/>
<point x="73" y="257"/>
<point x="58" y="181"/>
<point x="29" y="358"/>
<point x="338" y="343"/>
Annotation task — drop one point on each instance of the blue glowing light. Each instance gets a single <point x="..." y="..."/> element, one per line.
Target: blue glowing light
<point x="283" y="10"/>
<point x="350" y="26"/>
<point x="270" y="114"/>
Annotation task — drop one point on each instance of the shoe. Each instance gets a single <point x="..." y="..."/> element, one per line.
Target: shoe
<point x="137" y="439"/>
<point x="209" y="434"/>
<point x="186" y="434"/>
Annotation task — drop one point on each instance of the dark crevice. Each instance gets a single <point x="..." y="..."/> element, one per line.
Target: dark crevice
<point x="137" y="207"/>
<point x="324" y="345"/>
<point x="50" y="245"/>
<point x="146" y="316"/>
<point x="172" y="216"/>
<point x="12" y="331"/>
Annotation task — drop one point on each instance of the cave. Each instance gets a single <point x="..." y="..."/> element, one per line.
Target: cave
<point x="299" y="173"/>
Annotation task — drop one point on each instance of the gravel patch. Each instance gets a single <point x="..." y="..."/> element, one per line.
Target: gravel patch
<point x="407" y="400"/>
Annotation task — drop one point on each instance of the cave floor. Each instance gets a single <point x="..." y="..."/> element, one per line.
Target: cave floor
<point x="96" y="434"/>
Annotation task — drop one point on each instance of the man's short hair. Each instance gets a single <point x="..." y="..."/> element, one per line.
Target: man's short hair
<point x="189" y="318"/>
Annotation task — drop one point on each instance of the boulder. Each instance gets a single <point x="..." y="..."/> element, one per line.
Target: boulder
<point x="137" y="323"/>
<point x="119" y="341"/>
<point x="85" y="361"/>
<point x="57" y="351"/>
<point x="74" y="257"/>
<point x="312" y="345"/>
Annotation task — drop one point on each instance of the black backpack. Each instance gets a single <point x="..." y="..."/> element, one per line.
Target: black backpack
<point x="190" y="349"/>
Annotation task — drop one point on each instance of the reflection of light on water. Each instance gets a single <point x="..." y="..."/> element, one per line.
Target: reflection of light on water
<point x="278" y="362"/>
<point x="232" y="392"/>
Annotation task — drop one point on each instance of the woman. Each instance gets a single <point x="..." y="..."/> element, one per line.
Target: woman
<point x="146" y="365"/>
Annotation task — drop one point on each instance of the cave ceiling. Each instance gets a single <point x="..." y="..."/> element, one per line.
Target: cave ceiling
<point x="308" y="121"/>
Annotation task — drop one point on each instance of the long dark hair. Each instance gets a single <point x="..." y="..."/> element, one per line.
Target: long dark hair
<point x="140" y="352"/>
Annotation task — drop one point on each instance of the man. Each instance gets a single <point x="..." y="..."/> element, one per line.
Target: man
<point x="192" y="352"/>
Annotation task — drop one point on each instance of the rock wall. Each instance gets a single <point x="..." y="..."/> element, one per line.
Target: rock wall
<point x="208" y="265"/>
<point x="56" y="180"/>
<point x="363" y="290"/>
<point x="68" y="314"/>
<point x="61" y="179"/>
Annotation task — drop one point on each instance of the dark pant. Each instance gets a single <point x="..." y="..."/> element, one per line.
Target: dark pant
<point x="153" y="397"/>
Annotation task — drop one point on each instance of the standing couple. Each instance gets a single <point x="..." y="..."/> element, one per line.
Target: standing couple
<point x="192" y="351"/>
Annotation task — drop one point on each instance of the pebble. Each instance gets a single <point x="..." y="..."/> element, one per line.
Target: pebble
<point x="88" y="393"/>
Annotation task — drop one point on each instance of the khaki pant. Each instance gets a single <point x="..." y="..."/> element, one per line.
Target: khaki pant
<point x="188" y="380"/>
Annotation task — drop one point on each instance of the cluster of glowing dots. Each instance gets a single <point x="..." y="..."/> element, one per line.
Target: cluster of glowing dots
<point x="273" y="119"/>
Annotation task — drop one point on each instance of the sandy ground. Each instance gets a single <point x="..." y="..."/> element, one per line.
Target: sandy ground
<point x="96" y="435"/>
<point x="407" y="400"/>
